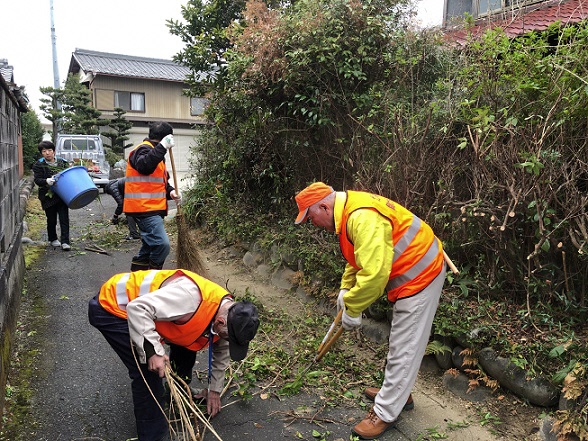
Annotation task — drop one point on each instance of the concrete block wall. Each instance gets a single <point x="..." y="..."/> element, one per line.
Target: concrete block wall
<point x="12" y="264"/>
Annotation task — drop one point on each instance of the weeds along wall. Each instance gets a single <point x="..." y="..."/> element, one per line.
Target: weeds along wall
<point x="11" y="227"/>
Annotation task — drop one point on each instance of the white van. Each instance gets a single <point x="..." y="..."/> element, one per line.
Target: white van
<point x="87" y="151"/>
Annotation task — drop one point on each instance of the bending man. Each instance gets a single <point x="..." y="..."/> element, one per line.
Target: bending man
<point x="388" y="249"/>
<point x="180" y="308"/>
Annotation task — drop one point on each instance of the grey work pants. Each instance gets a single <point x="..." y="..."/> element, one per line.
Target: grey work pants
<point x="409" y="335"/>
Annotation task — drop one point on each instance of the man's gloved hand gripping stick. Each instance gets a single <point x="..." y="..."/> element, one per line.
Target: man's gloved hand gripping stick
<point x="332" y="335"/>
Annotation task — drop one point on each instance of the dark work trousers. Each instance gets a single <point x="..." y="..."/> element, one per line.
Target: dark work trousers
<point x="61" y="210"/>
<point x="151" y="422"/>
<point x="182" y="361"/>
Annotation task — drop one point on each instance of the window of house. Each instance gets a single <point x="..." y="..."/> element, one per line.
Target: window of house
<point x="130" y="101"/>
<point x="486" y="6"/>
<point x="197" y="106"/>
<point x="482" y="8"/>
<point x="490" y="6"/>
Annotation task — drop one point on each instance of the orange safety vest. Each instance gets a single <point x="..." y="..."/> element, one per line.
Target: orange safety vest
<point x="145" y="193"/>
<point x="121" y="289"/>
<point x="418" y="254"/>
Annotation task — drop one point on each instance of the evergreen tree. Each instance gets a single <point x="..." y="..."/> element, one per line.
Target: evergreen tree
<point x="79" y="117"/>
<point x="206" y="25"/>
<point x="32" y="135"/>
<point x="51" y="107"/>
<point x="76" y="115"/>
<point x="120" y="130"/>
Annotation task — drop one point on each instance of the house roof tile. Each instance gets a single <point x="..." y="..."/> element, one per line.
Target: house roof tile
<point x="537" y="17"/>
<point x="103" y="63"/>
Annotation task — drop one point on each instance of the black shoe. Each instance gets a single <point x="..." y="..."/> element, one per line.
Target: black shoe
<point x="139" y="266"/>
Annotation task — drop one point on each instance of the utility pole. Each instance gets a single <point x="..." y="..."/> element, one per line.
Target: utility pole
<point x="56" y="125"/>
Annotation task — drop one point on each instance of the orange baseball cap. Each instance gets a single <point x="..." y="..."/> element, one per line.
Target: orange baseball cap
<point x="315" y="192"/>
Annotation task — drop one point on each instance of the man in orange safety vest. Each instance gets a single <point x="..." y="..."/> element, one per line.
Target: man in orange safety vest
<point x="388" y="250"/>
<point x="138" y="311"/>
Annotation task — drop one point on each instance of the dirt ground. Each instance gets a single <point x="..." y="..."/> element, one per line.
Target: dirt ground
<point x="69" y="385"/>
<point x="505" y="415"/>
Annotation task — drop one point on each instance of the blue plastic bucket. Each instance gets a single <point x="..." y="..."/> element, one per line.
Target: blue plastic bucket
<point x="75" y="187"/>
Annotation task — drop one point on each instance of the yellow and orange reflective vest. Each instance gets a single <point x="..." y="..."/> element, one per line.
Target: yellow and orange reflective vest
<point x="145" y="193"/>
<point x="121" y="289"/>
<point x="418" y="254"/>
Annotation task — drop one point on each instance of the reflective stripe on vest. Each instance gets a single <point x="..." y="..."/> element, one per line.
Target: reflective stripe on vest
<point x="122" y="288"/>
<point x="121" y="291"/>
<point x="407" y="238"/>
<point x="418" y="257"/>
<point x="145" y="286"/>
<point x="143" y="178"/>
<point x="144" y="195"/>
<point x="429" y="257"/>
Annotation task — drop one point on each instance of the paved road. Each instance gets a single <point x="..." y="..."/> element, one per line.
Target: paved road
<point x="82" y="388"/>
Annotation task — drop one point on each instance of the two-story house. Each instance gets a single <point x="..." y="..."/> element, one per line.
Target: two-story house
<point x="515" y="17"/>
<point x="148" y="89"/>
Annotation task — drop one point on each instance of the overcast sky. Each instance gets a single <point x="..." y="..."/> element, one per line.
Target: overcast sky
<point x="117" y="26"/>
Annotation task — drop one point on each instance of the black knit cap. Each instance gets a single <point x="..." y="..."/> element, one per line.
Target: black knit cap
<point x="242" y="323"/>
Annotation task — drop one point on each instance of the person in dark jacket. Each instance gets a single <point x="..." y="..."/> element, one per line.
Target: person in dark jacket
<point x="147" y="190"/>
<point x="44" y="171"/>
<point x="116" y="189"/>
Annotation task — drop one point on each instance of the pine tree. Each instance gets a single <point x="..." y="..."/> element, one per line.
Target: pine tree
<point x="79" y="117"/>
<point x="51" y="107"/>
<point x="76" y="115"/>
<point x="120" y="130"/>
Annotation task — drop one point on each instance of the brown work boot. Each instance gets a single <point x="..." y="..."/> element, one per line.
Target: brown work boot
<point x="372" y="426"/>
<point x="371" y="393"/>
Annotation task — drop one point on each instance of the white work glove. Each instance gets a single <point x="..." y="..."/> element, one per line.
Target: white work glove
<point x="340" y="301"/>
<point x="176" y="196"/>
<point x="350" y="323"/>
<point x="50" y="181"/>
<point x="168" y="142"/>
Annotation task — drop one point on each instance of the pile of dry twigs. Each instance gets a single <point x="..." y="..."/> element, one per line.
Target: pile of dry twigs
<point x="186" y="421"/>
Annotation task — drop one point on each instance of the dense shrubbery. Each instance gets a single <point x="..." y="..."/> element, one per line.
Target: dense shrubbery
<point x="488" y="143"/>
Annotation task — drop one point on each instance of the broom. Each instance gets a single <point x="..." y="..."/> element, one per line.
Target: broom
<point x="187" y="255"/>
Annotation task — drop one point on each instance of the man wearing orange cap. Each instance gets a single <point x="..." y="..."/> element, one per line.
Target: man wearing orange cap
<point x="388" y="249"/>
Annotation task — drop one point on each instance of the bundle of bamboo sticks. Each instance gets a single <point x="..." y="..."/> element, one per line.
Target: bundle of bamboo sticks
<point x="184" y="416"/>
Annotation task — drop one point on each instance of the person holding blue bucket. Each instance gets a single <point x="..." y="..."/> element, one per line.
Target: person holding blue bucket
<point x="44" y="171"/>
